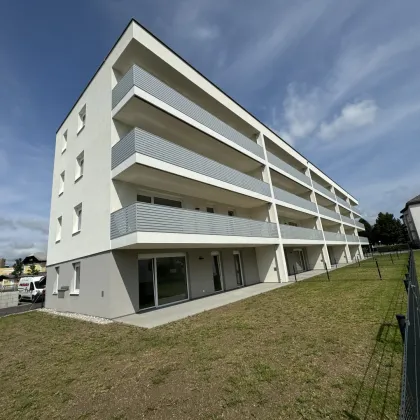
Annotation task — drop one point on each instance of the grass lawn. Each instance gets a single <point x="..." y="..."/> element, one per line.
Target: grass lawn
<point x="313" y="350"/>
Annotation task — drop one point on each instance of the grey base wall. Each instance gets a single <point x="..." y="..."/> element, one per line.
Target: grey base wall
<point x="109" y="281"/>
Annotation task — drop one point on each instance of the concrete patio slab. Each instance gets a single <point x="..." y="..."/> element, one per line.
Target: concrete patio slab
<point x="155" y="318"/>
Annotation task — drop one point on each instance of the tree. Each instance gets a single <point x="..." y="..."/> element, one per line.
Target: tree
<point x="388" y="230"/>
<point x="18" y="268"/>
<point x="367" y="233"/>
<point x="33" y="271"/>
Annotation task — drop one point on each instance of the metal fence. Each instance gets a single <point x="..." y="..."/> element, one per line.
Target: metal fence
<point x="410" y="387"/>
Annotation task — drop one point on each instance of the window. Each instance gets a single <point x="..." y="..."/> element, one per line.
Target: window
<point x="62" y="178"/>
<point x="64" y="146"/>
<point x="58" y="232"/>
<point x="80" y="163"/>
<point x="77" y="224"/>
<point x="167" y="202"/>
<point x="82" y="119"/>
<point x="76" y="278"/>
<point x="142" y="198"/>
<point x="57" y="274"/>
<point x="231" y="212"/>
<point x="210" y="210"/>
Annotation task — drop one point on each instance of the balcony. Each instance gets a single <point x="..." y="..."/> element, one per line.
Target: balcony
<point x="274" y="160"/>
<point x="137" y="77"/>
<point x="293" y="233"/>
<point x="328" y="213"/>
<point x="143" y="223"/>
<point x="152" y="146"/>
<point x="336" y="237"/>
<point x="323" y="190"/>
<point x="348" y="220"/>
<point x="352" y="238"/>
<point x="293" y="199"/>
<point x="359" y="225"/>
<point x="356" y="209"/>
<point x="343" y="202"/>
<point x="363" y="240"/>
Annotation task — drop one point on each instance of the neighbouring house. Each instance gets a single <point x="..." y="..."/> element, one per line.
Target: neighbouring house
<point x="411" y="217"/>
<point x="165" y="189"/>
<point x="39" y="260"/>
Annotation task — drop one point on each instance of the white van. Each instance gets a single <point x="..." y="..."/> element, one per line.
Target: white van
<point x="32" y="288"/>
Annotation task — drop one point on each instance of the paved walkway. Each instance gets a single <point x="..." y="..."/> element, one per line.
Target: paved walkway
<point x="155" y="318"/>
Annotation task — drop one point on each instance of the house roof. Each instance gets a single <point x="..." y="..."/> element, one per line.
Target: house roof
<point x="415" y="200"/>
<point x="34" y="258"/>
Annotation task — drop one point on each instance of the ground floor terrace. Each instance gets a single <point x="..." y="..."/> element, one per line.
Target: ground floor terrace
<point x="129" y="281"/>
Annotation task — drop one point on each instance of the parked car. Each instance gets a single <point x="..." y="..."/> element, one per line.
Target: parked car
<point x="32" y="288"/>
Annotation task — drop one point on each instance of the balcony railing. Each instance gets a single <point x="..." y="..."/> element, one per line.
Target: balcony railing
<point x="343" y="202"/>
<point x="364" y="240"/>
<point x="347" y="219"/>
<point x="274" y="160"/>
<point x="294" y="232"/>
<point x="359" y="225"/>
<point x="144" y="217"/>
<point x="332" y="236"/>
<point x="329" y="213"/>
<point x="356" y="209"/>
<point x="352" y="238"/>
<point x="323" y="190"/>
<point x="140" y="78"/>
<point x="140" y="141"/>
<point x="290" y="198"/>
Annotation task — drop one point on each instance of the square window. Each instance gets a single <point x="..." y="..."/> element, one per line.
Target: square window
<point x="58" y="232"/>
<point x="80" y="164"/>
<point x="76" y="278"/>
<point x="82" y="119"/>
<point x="62" y="178"/>
<point x="231" y="212"/>
<point x="57" y="274"/>
<point x="64" y="142"/>
<point x="77" y="223"/>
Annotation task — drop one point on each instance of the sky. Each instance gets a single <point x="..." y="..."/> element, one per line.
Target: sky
<point x="337" y="80"/>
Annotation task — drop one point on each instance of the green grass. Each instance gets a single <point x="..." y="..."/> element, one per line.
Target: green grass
<point x="314" y="350"/>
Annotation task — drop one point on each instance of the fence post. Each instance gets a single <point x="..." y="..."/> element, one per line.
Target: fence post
<point x="379" y="271"/>
<point x="401" y="325"/>
<point x="391" y="258"/>
<point x="294" y="272"/>
<point x="326" y="269"/>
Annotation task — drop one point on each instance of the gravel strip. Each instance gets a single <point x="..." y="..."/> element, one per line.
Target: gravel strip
<point x="81" y="317"/>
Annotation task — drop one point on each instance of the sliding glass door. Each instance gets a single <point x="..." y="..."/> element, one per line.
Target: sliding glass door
<point x="162" y="280"/>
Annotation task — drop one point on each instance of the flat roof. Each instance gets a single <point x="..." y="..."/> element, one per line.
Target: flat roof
<point x="133" y="20"/>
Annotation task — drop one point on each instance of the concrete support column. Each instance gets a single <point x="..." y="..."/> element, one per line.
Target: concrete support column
<point x="272" y="259"/>
<point x="347" y="253"/>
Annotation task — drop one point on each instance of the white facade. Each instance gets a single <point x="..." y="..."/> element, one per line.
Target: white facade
<point x="411" y="217"/>
<point x="155" y="160"/>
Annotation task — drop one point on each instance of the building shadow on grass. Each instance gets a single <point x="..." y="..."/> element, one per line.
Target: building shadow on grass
<point x="378" y="394"/>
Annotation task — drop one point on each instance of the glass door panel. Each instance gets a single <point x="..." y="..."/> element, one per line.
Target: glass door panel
<point x="217" y="273"/>
<point x="146" y="283"/>
<point x="171" y="279"/>
<point x="238" y="269"/>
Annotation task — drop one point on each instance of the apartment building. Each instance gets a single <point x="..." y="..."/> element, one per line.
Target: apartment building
<point x="165" y="189"/>
<point x="411" y="217"/>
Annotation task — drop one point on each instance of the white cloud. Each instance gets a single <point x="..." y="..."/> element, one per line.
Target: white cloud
<point x="352" y="116"/>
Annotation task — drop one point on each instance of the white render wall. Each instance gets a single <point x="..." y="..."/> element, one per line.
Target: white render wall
<point x="415" y="215"/>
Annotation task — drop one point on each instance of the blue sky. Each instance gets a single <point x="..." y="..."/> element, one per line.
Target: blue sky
<point x="338" y="80"/>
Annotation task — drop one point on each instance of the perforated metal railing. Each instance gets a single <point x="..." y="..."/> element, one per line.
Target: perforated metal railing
<point x="410" y="386"/>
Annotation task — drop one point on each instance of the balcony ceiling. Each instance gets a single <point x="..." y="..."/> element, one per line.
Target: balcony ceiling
<point x="138" y="113"/>
<point x="293" y="214"/>
<point x="151" y="178"/>
<point x="136" y="53"/>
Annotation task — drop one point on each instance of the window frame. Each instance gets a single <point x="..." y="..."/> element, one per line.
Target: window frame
<point x="64" y="141"/>
<point x="59" y="228"/>
<point x="153" y="195"/>
<point x="62" y="181"/>
<point x="74" y="290"/>
<point x="56" y="281"/>
<point x="80" y="166"/>
<point x="81" y="119"/>
<point x="78" y="217"/>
